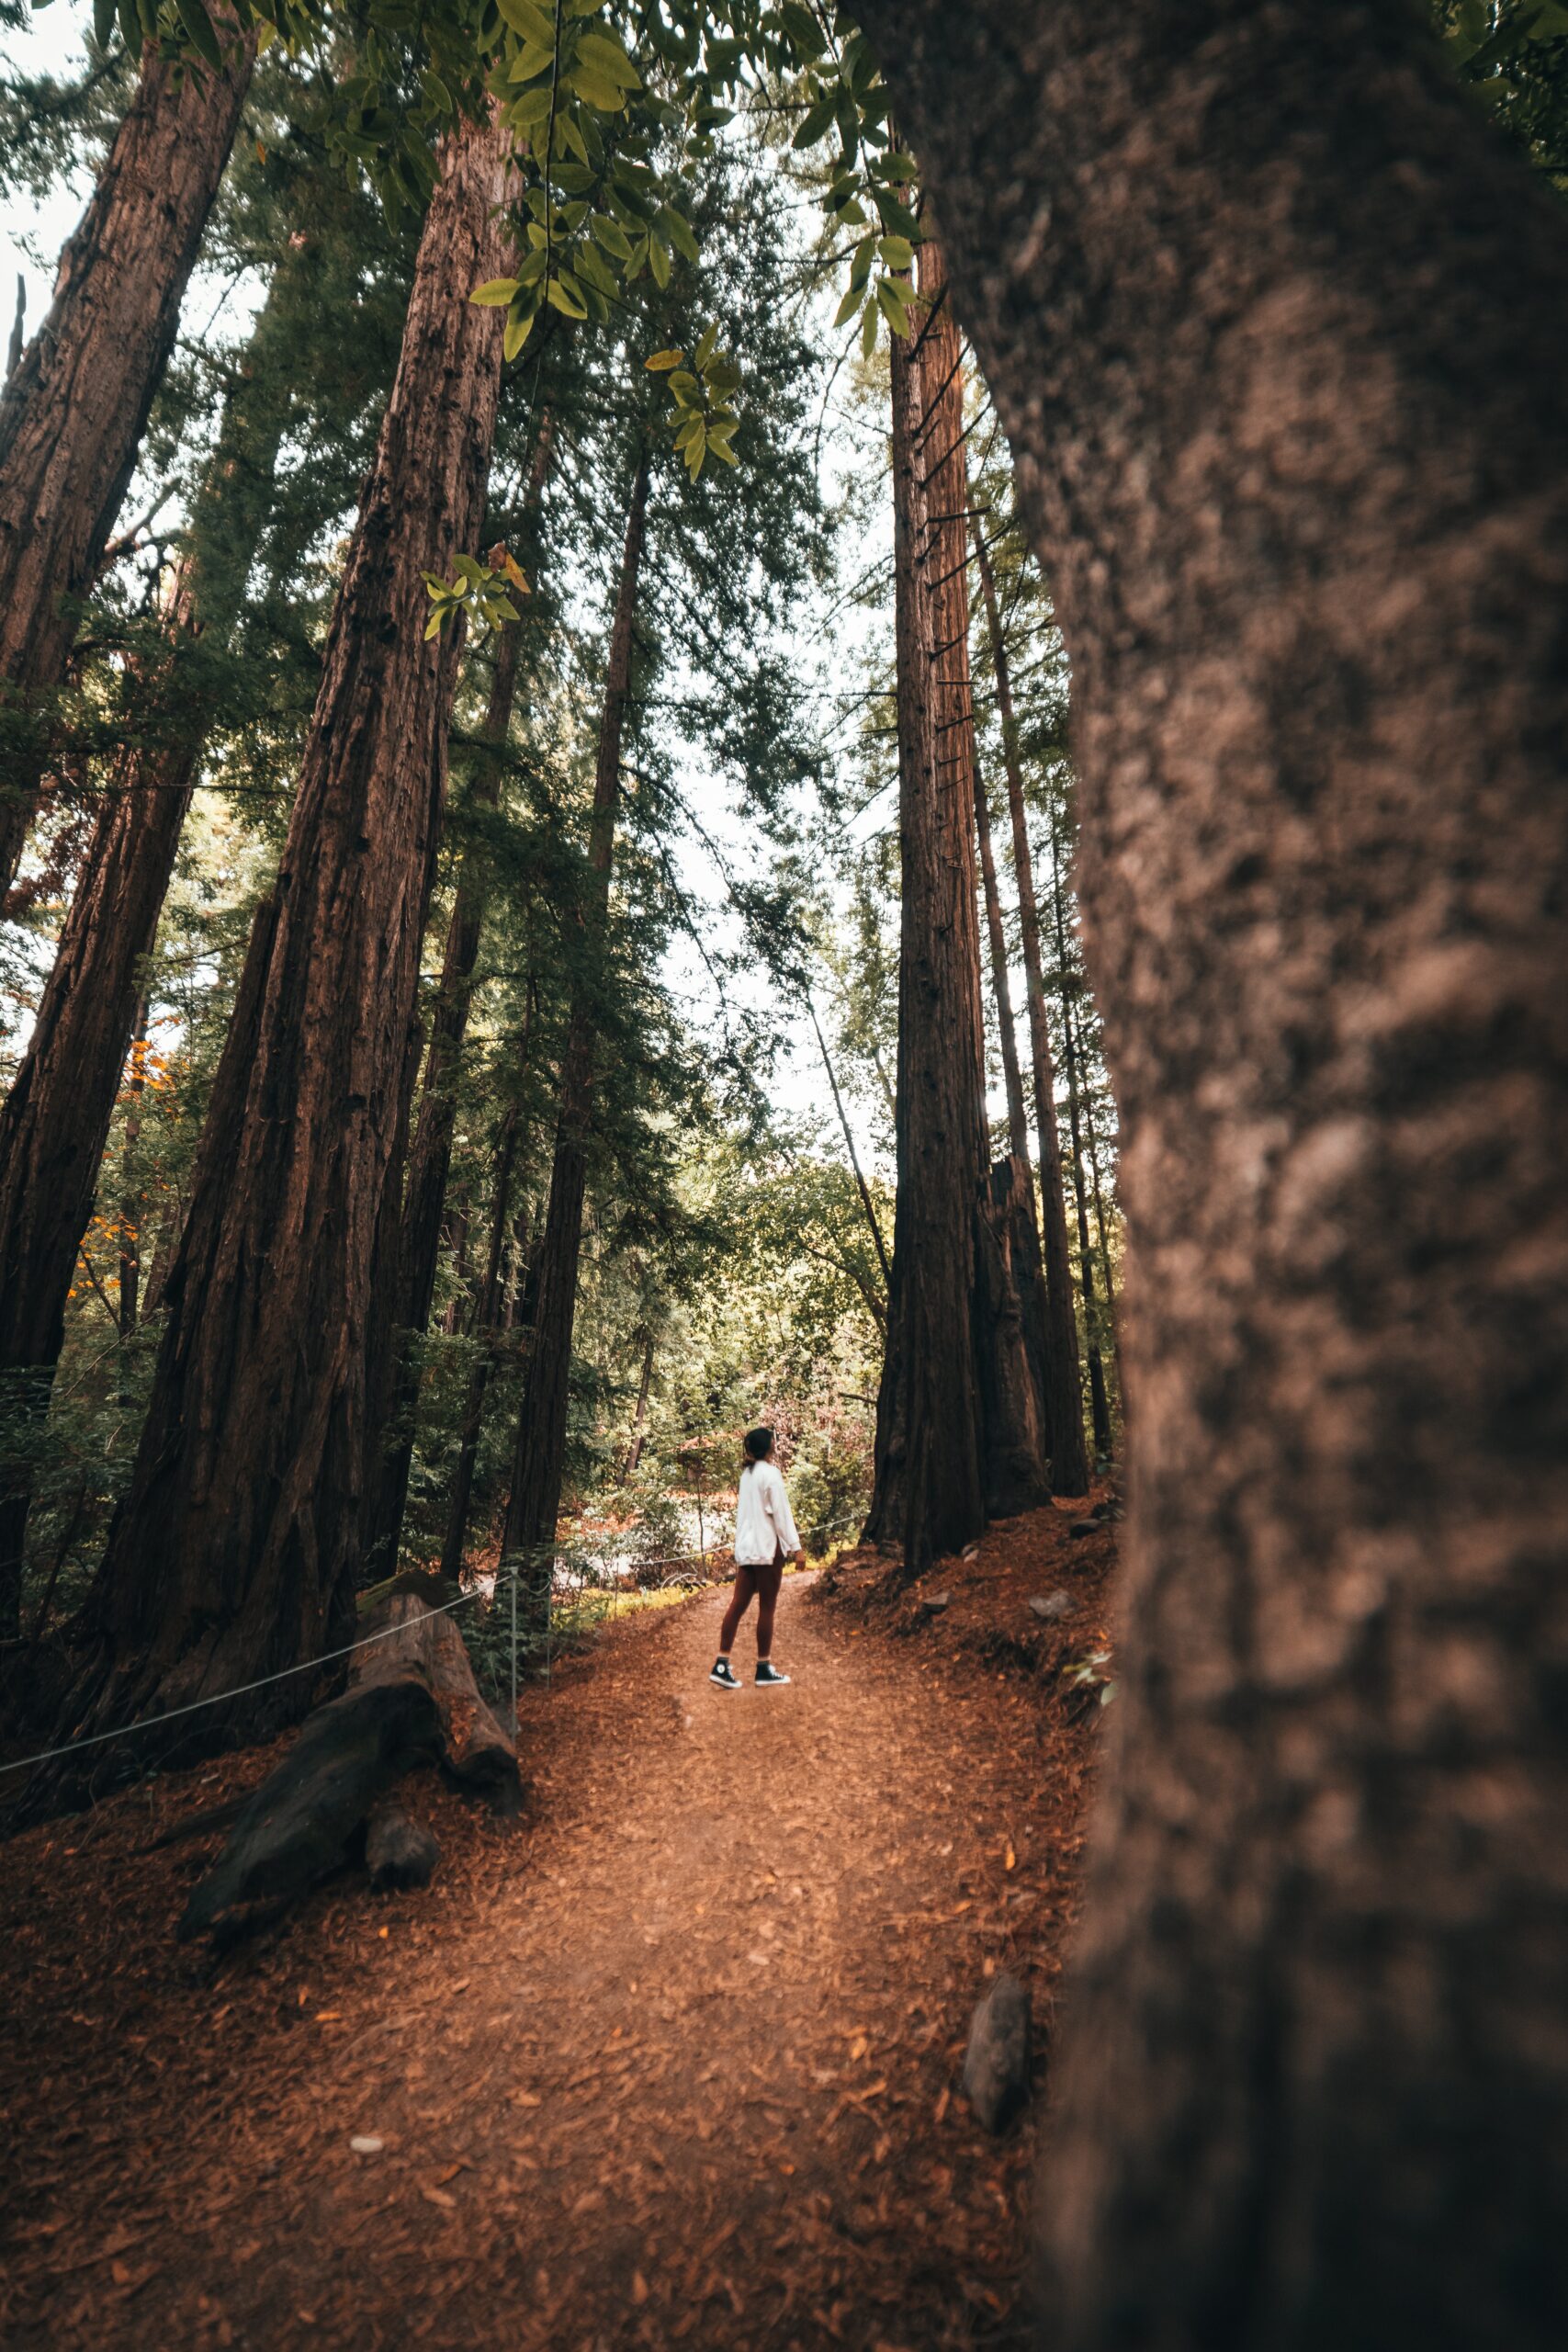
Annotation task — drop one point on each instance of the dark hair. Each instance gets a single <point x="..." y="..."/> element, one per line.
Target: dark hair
<point x="759" y="1445"/>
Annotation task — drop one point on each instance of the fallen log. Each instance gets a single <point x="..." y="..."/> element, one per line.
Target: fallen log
<point x="411" y="1699"/>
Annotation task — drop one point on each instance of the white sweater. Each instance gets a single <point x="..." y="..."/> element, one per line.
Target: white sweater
<point x="764" y="1521"/>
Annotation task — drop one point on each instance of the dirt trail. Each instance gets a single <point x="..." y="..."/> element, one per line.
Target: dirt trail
<point x="671" y="2063"/>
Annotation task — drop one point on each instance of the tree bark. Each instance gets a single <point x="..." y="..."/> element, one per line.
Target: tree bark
<point x="489" y="1326"/>
<point x="1280" y="335"/>
<point x="639" y="1418"/>
<point x="131" y="1203"/>
<point x="1064" y="1375"/>
<point x="236" y="1549"/>
<point x="418" y="1249"/>
<point x="73" y="414"/>
<point x="1018" y="1126"/>
<point x="930" y="1491"/>
<point x="534" y="1503"/>
<point x="1100" y="1409"/>
<point x="55" y="1121"/>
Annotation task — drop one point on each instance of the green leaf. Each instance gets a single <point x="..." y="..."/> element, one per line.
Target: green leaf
<point x="722" y="376"/>
<point x="707" y="343"/>
<point x="590" y="263"/>
<point x="663" y="360"/>
<point x="130" y="27"/>
<point x="896" y="218"/>
<point x="436" y="90"/>
<point x="685" y="387"/>
<point x="103" y="22"/>
<point x="892" y="309"/>
<point x="198" y="25"/>
<point x="531" y="62"/>
<point x="433" y="626"/>
<point x="850" y="304"/>
<point x="817" y="122"/>
<point x="687" y="431"/>
<point x="722" y="449"/>
<point x="658" y="261"/>
<point x="606" y="57"/>
<point x="532" y="108"/>
<point x="868" y="330"/>
<point x="678" y="229"/>
<point x="594" y="90"/>
<point x="897" y="252"/>
<point x="611" y="236"/>
<point x="494" y="294"/>
<point x="519" y="327"/>
<point x="565" y="296"/>
<point x="526" y="17"/>
<point x="805" y="33"/>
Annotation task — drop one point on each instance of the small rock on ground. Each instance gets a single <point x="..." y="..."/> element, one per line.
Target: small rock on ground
<point x="995" y="2066"/>
<point x="1051" y="1605"/>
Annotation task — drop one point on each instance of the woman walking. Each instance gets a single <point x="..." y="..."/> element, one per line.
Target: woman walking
<point x="764" y="1538"/>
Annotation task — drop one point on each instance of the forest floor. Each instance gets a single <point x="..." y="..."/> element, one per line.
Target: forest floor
<point x="674" y="2061"/>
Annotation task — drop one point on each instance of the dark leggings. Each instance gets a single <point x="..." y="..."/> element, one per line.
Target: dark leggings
<point x="764" y="1583"/>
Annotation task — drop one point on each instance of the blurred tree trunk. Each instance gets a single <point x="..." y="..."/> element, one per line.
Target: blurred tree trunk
<point x="73" y="414"/>
<point x="534" y="1503"/>
<point x="639" y="1418"/>
<point x="235" y="1551"/>
<point x="1278" y="330"/>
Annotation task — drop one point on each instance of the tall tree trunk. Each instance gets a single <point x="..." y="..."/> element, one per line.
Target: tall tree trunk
<point x="1005" y="1199"/>
<point x="395" y="1377"/>
<point x="1280" y="333"/>
<point x="55" y="1121"/>
<point x="131" y="1203"/>
<point x="430" y="1157"/>
<point x="73" y="414"/>
<point x="1102" y="1222"/>
<point x="534" y="1503"/>
<point x="930" y="1493"/>
<point x="1018" y="1125"/>
<point x="1069" y="1460"/>
<point x="1100" y="1409"/>
<point x="491" y="1320"/>
<point x="235" y="1551"/>
<point x="639" y="1418"/>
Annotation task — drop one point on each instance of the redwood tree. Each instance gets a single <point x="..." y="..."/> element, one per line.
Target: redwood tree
<point x="1280" y="335"/>
<point x="1069" y="1460"/>
<point x="534" y="1504"/>
<point x="235" y="1550"/>
<point x="73" y="415"/>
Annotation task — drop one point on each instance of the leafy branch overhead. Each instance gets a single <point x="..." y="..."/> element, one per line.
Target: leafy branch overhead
<point x="476" y="587"/>
<point x="702" y="418"/>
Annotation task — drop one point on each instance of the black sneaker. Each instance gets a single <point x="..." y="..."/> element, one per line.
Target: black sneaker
<point x="724" y="1673"/>
<point x="768" y="1676"/>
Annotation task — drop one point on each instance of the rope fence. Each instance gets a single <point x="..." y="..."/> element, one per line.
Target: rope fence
<point x="509" y="1570"/>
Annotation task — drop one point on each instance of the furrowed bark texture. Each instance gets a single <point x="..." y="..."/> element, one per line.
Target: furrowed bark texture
<point x="1280" y="335"/>
<point x="73" y="415"/>
<point x="430" y="1157"/>
<point x="55" y="1120"/>
<point x="1063" y="1377"/>
<point x="930" y="1493"/>
<point x="236" y="1548"/>
<point x="534" y="1504"/>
